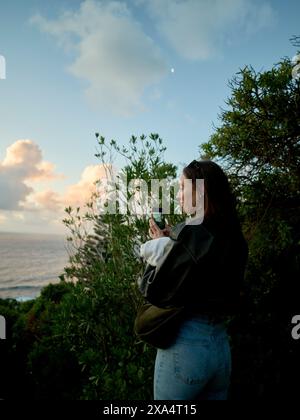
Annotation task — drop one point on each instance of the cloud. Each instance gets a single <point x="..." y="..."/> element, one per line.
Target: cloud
<point x="33" y="222"/>
<point x="12" y="190"/>
<point x="80" y="193"/>
<point x="23" y="162"/>
<point x="21" y="206"/>
<point x="262" y="16"/>
<point x="3" y="218"/>
<point x="49" y="206"/>
<point x="43" y="200"/>
<point x="197" y="29"/>
<point x="113" y="54"/>
<point x="24" y="159"/>
<point x="75" y="195"/>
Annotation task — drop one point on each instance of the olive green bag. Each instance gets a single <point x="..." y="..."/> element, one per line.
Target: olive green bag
<point x="157" y="326"/>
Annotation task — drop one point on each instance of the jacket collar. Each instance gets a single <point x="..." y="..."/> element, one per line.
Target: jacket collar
<point x="177" y="229"/>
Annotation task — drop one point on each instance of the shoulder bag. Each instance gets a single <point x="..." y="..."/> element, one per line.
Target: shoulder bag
<point x="157" y="326"/>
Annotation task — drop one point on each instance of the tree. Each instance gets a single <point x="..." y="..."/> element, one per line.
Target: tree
<point x="295" y="40"/>
<point x="100" y="313"/>
<point x="258" y="144"/>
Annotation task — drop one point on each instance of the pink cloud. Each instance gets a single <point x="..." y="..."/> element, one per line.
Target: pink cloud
<point x="24" y="163"/>
<point x="76" y="195"/>
<point x="80" y="193"/>
<point x="43" y="200"/>
<point x="24" y="158"/>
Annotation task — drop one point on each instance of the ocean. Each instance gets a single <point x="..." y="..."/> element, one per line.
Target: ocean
<point x="29" y="262"/>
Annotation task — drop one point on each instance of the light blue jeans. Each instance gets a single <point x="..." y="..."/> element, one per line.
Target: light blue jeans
<point x="197" y="366"/>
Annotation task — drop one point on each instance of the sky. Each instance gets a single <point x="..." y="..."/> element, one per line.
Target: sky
<point x="71" y="68"/>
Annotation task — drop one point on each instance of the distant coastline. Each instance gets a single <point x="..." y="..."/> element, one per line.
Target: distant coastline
<point x="32" y="233"/>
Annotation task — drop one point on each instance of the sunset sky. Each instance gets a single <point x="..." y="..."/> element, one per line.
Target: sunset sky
<point x="119" y="68"/>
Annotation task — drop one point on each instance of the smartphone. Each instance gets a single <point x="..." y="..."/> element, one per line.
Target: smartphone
<point x="158" y="217"/>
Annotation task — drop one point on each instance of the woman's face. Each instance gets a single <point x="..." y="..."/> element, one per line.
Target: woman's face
<point x="180" y="195"/>
<point x="187" y="197"/>
<point x="184" y="195"/>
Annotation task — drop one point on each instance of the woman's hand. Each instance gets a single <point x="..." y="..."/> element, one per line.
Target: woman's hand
<point x="155" y="231"/>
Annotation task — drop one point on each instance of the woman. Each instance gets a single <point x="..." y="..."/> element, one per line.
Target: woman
<point x="197" y="365"/>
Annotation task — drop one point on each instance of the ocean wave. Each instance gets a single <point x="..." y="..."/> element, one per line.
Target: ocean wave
<point x="28" y="262"/>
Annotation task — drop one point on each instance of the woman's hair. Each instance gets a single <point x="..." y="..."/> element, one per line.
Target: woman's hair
<point x="219" y="201"/>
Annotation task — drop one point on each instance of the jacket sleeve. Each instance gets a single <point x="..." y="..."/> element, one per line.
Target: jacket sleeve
<point x="165" y="284"/>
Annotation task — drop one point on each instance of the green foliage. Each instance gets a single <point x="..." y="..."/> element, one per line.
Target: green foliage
<point x="258" y="145"/>
<point x="114" y="364"/>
